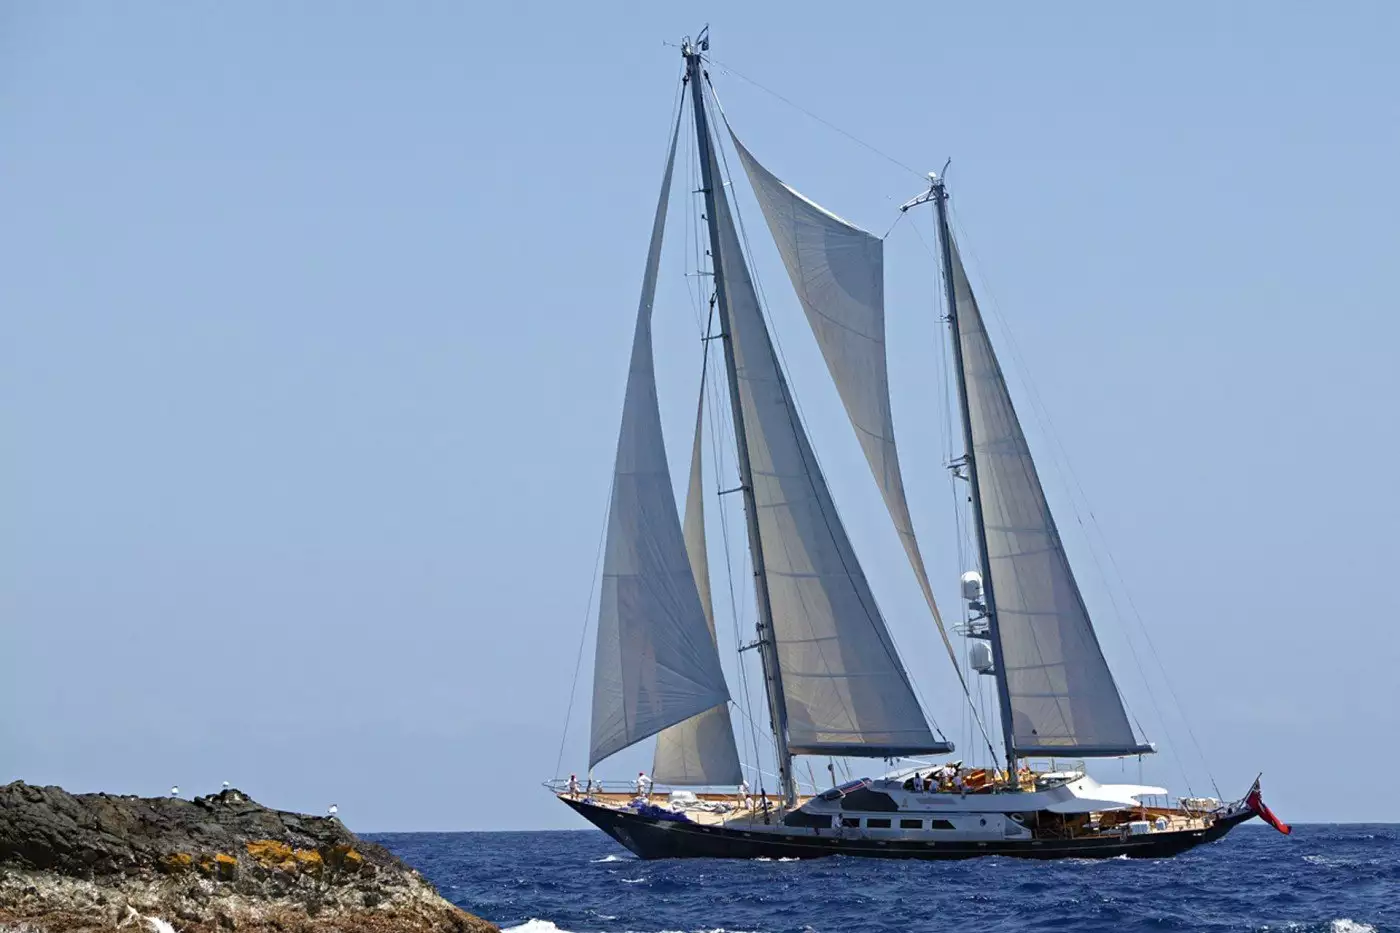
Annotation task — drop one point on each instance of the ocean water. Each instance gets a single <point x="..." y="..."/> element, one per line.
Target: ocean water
<point x="1323" y="878"/>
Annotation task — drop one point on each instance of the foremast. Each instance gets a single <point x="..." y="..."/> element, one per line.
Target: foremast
<point x="938" y="192"/>
<point x="767" y="644"/>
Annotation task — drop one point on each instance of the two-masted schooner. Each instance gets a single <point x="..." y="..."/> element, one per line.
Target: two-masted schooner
<point x="834" y="683"/>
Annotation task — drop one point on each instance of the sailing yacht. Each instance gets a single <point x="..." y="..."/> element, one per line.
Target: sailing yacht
<point x="834" y="683"/>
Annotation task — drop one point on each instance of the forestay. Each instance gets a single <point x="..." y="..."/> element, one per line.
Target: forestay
<point x="845" y="688"/>
<point x="838" y="272"/>
<point x="1063" y="698"/>
<point x="656" y="662"/>
<point x="701" y="750"/>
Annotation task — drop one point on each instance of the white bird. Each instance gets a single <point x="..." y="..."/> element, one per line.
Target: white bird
<point x="333" y="809"/>
<point x="175" y="790"/>
<point x="225" y="785"/>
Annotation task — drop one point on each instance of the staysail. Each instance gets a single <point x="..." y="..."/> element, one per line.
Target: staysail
<point x="838" y="272"/>
<point x="845" y="688"/>
<point x="656" y="662"/>
<point x="1062" y="694"/>
<point x="701" y="750"/>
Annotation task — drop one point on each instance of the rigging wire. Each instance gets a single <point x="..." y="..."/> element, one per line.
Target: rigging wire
<point x="747" y="709"/>
<point x="824" y="122"/>
<point x="583" y="635"/>
<point x="717" y="421"/>
<point x="959" y="495"/>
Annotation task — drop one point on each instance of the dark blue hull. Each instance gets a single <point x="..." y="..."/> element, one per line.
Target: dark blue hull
<point x="651" y="838"/>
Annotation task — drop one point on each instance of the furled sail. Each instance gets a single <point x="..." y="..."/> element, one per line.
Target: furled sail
<point x="838" y="272"/>
<point x="656" y="662"/>
<point x="845" y="687"/>
<point x="1062" y="694"/>
<point x="701" y="750"/>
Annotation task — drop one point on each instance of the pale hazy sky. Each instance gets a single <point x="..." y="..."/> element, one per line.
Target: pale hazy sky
<point x="315" y="319"/>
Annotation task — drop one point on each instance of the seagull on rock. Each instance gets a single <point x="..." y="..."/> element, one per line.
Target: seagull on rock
<point x="332" y="810"/>
<point x="174" y="790"/>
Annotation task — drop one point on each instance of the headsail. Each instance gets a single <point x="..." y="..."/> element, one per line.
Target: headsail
<point x="838" y="272"/>
<point x="656" y="662"/>
<point x="701" y="750"/>
<point x="846" y="690"/>
<point x="1062" y="694"/>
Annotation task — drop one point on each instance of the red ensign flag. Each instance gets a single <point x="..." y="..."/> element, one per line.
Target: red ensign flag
<point x="1255" y="802"/>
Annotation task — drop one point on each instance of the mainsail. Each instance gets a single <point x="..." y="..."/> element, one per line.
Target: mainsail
<point x="838" y="272"/>
<point x="656" y="662"/>
<point x="701" y="750"/>
<point x="1062" y="695"/>
<point x="845" y="688"/>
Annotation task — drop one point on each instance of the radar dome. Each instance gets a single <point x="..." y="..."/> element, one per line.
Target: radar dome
<point x="980" y="655"/>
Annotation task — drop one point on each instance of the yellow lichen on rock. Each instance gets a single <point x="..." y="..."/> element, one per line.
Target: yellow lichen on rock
<point x="269" y="852"/>
<point x="177" y="862"/>
<point x="308" y="860"/>
<point x="272" y="854"/>
<point x="344" y="857"/>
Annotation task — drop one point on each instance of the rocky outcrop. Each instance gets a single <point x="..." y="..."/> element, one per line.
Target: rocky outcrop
<point x="97" y="862"/>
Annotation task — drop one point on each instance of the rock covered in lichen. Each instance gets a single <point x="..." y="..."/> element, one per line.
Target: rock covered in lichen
<point x="98" y="862"/>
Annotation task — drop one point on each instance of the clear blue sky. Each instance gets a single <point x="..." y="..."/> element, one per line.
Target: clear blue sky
<point x="314" y="323"/>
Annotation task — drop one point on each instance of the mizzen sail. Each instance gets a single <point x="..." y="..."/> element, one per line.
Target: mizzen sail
<point x="656" y="662"/>
<point x="846" y="690"/>
<point x="701" y="750"/>
<point x="1062" y="695"/>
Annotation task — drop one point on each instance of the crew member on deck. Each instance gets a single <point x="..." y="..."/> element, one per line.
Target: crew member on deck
<point x="918" y="783"/>
<point x="643" y="785"/>
<point x="744" y="799"/>
<point x="573" y="786"/>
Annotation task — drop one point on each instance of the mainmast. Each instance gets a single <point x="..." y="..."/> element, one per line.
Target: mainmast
<point x="767" y="645"/>
<point x="939" y="195"/>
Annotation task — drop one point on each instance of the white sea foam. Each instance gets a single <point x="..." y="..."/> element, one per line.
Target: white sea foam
<point x="609" y="858"/>
<point x="1347" y="925"/>
<point x="535" y="926"/>
<point x="548" y="926"/>
<point x="155" y="924"/>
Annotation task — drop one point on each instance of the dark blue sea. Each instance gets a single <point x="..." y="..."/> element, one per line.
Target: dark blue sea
<point x="1321" y="879"/>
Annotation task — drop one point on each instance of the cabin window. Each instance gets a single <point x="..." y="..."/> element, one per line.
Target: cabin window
<point x="851" y="822"/>
<point x="911" y="824"/>
<point x="939" y="824"/>
<point x="877" y="824"/>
